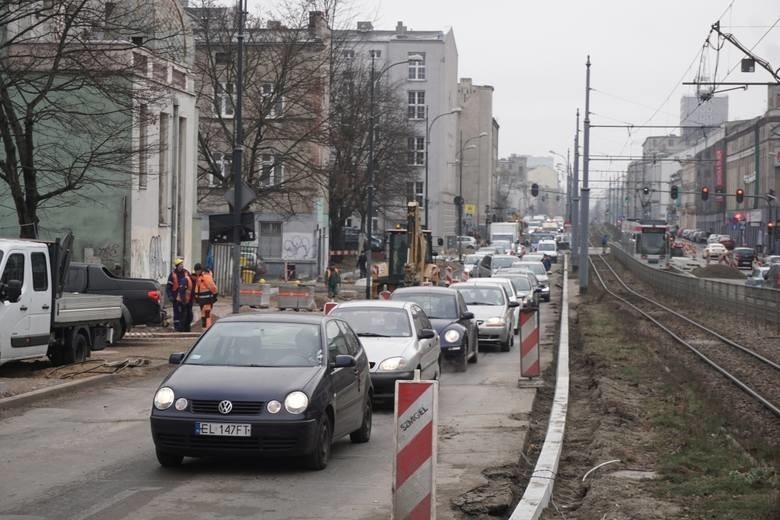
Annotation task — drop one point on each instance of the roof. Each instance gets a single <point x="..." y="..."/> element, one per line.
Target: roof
<point x="419" y="289"/>
<point x="276" y="317"/>
<point x="375" y="303"/>
<point x="15" y="242"/>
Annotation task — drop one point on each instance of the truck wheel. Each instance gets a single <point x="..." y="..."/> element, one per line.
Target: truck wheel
<point x="121" y="329"/>
<point x="79" y="349"/>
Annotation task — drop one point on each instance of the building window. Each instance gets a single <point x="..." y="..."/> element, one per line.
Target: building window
<point x="140" y="64"/>
<point x="415" y="191"/>
<point x="375" y="53"/>
<point x="274" y="102"/>
<point x="349" y="54"/>
<point x="142" y="147"/>
<point x="416" y="151"/>
<point x="416" y="107"/>
<point x="225" y="100"/>
<point x="271" y="170"/>
<point x="221" y="58"/>
<point x="270" y="241"/>
<point x="223" y="163"/>
<point x="417" y="67"/>
<point x="163" y="170"/>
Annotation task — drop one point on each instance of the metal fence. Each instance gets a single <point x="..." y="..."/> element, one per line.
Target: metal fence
<point x="222" y="268"/>
<point x="755" y="303"/>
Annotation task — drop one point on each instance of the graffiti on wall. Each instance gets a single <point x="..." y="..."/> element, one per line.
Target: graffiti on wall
<point x="158" y="267"/>
<point x="297" y="246"/>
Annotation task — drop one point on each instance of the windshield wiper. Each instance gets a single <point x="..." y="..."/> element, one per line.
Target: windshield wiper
<point x="372" y="335"/>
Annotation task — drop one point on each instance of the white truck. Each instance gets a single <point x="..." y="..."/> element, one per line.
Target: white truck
<point x="506" y="231"/>
<point x="36" y="318"/>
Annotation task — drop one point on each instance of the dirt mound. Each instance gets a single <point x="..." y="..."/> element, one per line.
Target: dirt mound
<point x="718" y="271"/>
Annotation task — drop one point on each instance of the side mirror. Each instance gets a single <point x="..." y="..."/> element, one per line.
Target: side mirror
<point x="13" y="290"/>
<point x="468" y="315"/>
<point x="537" y="290"/>
<point x="176" y="358"/>
<point x="344" y="361"/>
<point x="513" y="304"/>
<point x="426" y="334"/>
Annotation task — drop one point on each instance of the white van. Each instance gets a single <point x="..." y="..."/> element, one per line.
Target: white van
<point x="549" y="248"/>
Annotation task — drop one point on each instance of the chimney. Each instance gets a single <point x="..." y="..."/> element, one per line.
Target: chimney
<point x="318" y="25"/>
<point x="400" y="28"/>
<point x="365" y="26"/>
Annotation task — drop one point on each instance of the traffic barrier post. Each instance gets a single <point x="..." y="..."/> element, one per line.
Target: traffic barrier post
<point x="296" y="297"/>
<point x="328" y="306"/>
<point x="529" y="343"/>
<point x="414" y="464"/>
<point x="254" y="295"/>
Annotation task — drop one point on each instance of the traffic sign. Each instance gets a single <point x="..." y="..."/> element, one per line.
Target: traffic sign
<point x="246" y="195"/>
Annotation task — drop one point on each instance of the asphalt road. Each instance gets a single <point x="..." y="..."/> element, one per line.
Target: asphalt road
<point x="90" y="456"/>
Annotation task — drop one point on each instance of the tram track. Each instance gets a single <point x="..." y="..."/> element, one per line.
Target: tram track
<point x="754" y="373"/>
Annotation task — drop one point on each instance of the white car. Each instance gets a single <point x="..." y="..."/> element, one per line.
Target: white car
<point x="467" y="242"/>
<point x="549" y="248"/>
<point x="506" y="283"/>
<point x="398" y="338"/>
<point x="714" y="250"/>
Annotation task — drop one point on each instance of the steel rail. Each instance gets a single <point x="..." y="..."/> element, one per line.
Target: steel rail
<point x="755" y="395"/>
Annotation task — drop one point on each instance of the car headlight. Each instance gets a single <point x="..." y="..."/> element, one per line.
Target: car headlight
<point x="163" y="399"/>
<point x="273" y="406"/>
<point x="452" y="336"/>
<point x="391" y="364"/>
<point x="181" y="404"/>
<point x="296" y="402"/>
<point x="495" y="320"/>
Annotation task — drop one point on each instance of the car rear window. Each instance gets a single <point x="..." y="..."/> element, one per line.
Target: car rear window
<point x="482" y="295"/>
<point x="376" y="321"/>
<point x="434" y="305"/>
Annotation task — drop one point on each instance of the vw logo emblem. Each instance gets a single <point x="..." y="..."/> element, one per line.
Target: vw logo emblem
<point x="225" y="407"/>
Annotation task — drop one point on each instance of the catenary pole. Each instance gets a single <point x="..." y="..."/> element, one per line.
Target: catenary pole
<point x="583" y="271"/>
<point x="238" y="149"/>
<point x="575" y="199"/>
<point x="370" y="190"/>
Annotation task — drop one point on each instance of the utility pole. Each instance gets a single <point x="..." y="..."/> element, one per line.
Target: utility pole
<point x="460" y="200"/>
<point x="575" y="199"/>
<point x="583" y="272"/>
<point x="370" y="187"/>
<point x="238" y="151"/>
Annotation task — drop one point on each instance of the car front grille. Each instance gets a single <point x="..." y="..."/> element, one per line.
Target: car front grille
<point x="264" y="444"/>
<point x="239" y="407"/>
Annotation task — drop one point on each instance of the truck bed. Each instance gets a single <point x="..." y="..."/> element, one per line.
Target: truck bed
<point x="83" y="308"/>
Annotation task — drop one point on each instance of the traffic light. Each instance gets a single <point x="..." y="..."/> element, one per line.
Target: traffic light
<point x="673" y="193"/>
<point x="646" y="190"/>
<point x="705" y="193"/>
<point x="770" y="228"/>
<point x="534" y="189"/>
<point x="740" y="195"/>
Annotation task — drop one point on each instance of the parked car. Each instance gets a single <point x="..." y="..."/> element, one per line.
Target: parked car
<point x="714" y="250"/>
<point x="757" y="277"/>
<point x="772" y="276"/>
<point x="398" y="338"/>
<point x="264" y="384"/>
<point x="493" y="311"/>
<point x="744" y="256"/>
<point x="537" y="268"/>
<point x="727" y="241"/>
<point x="477" y="265"/>
<point x="772" y="259"/>
<point x="467" y="242"/>
<point x="141" y="298"/>
<point x="451" y="319"/>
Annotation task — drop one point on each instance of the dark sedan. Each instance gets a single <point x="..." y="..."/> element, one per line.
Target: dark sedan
<point x="265" y="384"/>
<point x="455" y="324"/>
<point x="744" y="257"/>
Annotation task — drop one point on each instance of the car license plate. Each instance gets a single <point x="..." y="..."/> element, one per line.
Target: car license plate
<point x="223" y="429"/>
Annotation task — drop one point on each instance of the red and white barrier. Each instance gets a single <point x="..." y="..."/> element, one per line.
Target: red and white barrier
<point x="414" y="466"/>
<point x="448" y="275"/>
<point x="329" y="306"/>
<point x="384" y="295"/>
<point x="529" y="343"/>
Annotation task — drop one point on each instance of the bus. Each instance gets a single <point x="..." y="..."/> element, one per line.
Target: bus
<point x="646" y="239"/>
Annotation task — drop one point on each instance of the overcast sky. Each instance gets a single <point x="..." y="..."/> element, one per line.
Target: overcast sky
<point x="533" y="53"/>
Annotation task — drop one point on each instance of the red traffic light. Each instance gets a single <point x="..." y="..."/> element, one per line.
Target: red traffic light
<point x="705" y="193"/>
<point x="740" y="195"/>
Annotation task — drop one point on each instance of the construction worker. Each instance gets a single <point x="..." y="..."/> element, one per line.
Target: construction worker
<point x="180" y="289"/>
<point x="205" y="294"/>
<point x="332" y="281"/>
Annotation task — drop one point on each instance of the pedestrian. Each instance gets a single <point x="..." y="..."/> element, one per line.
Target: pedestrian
<point x="604" y="243"/>
<point x="332" y="281"/>
<point x="546" y="262"/>
<point x="361" y="263"/>
<point x="205" y="294"/>
<point x="180" y="289"/>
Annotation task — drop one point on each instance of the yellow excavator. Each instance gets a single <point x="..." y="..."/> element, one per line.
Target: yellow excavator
<point x="409" y="256"/>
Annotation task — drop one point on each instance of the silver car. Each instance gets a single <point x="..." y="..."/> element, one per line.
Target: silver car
<point x="492" y="309"/>
<point x="537" y="268"/>
<point x="510" y="291"/>
<point x="758" y="277"/>
<point x="398" y="338"/>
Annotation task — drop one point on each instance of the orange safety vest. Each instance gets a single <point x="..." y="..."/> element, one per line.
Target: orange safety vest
<point x="205" y="288"/>
<point x="173" y="280"/>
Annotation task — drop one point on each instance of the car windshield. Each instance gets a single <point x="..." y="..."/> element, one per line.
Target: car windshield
<point x="379" y="322"/>
<point x="436" y="306"/>
<point x="520" y="283"/>
<point x="534" y="267"/>
<point x="546" y="247"/>
<point x="503" y="261"/>
<point x="471" y="259"/>
<point x="265" y="344"/>
<point x="744" y="251"/>
<point x="482" y="295"/>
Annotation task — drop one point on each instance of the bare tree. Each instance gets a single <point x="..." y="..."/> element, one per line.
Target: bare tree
<point x="285" y="104"/>
<point x="347" y="187"/>
<point x="74" y="81"/>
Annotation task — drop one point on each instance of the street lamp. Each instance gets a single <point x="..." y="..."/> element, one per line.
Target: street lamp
<point x="428" y="127"/>
<point x="568" y="181"/>
<point x="370" y="195"/>
<point x="459" y="198"/>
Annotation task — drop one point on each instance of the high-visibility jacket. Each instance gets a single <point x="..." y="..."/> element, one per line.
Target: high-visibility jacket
<point x="205" y="288"/>
<point x="180" y="286"/>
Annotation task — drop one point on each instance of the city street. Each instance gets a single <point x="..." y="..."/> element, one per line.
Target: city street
<point x="90" y="456"/>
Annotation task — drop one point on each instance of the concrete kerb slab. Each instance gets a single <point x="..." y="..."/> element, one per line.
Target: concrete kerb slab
<point x="40" y="394"/>
<point x="539" y="490"/>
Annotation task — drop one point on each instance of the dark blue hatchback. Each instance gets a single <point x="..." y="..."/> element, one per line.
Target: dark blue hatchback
<point x="265" y="384"/>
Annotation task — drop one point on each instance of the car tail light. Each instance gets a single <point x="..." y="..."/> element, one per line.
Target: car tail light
<point x="154" y="295"/>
